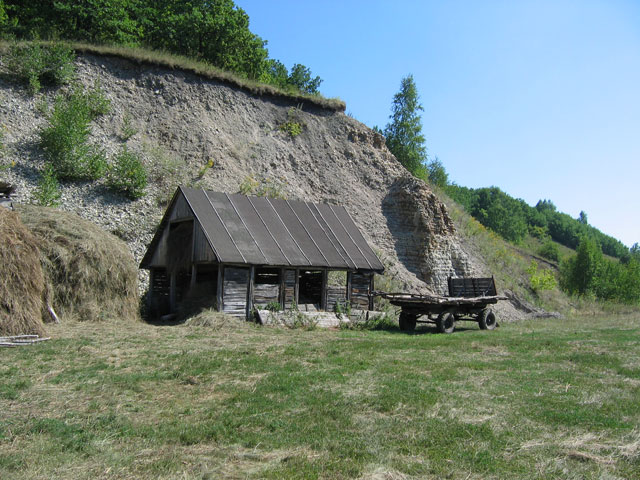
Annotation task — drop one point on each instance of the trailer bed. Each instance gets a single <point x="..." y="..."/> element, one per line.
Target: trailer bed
<point x="469" y="299"/>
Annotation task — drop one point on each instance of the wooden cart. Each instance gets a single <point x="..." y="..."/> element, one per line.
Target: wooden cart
<point x="468" y="299"/>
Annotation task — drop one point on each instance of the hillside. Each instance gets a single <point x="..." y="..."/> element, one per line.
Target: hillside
<point x="201" y="132"/>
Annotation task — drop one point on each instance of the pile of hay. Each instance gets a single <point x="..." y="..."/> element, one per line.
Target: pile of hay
<point x="21" y="278"/>
<point x="89" y="273"/>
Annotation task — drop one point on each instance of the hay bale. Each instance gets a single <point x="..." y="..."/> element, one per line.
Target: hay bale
<point x="89" y="273"/>
<point x="21" y="280"/>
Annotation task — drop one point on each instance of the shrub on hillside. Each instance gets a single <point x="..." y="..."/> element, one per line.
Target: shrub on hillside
<point x="47" y="193"/>
<point x="36" y="65"/>
<point x="128" y="175"/>
<point x="65" y="138"/>
<point x="550" y="251"/>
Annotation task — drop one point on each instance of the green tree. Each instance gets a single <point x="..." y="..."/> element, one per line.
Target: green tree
<point x="580" y="273"/>
<point x="300" y="78"/>
<point x="582" y="218"/>
<point x="437" y="173"/>
<point x="404" y="131"/>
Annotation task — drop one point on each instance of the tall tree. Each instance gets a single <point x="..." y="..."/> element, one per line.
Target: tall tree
<point x="404" y="131"/>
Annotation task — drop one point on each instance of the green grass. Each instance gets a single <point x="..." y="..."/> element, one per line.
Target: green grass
<point x="537" y="399"/>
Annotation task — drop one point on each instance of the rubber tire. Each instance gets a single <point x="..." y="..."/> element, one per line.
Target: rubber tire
<point x="487" y="319"/>
<point x="407" y="322"/>
<point x="446" y="321"/>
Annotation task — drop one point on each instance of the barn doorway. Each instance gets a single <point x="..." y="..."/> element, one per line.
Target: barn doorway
<point x="310" y="288"/>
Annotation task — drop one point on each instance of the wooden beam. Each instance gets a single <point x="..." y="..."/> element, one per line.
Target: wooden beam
<point x="282" y="296"/>
<point x="323" y="289"/>
<point x="371" y="290"/>
<point x="172" y="292"/>
<point x="194" y="273"/>
<point x="349" y="274"/>
<point x="250" y="281"/>
<point x="219" y="298"/>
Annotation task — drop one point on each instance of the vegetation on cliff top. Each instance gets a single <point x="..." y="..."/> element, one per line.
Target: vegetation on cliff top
<point x="212" y="31"/>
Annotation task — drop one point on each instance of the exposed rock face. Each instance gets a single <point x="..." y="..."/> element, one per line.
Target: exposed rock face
<point x="424" y="235"/>
<point x="182" y="121"/>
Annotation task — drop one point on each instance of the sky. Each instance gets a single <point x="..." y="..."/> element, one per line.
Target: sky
<point x="540" y="98"/>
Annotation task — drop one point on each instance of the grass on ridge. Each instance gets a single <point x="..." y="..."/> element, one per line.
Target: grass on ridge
<point x="536" y="399"/>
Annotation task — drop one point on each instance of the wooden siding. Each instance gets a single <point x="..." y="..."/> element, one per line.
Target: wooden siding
<point x="160" y="254"/>
<point x="235" y="288"/>
<point x="360" y="283"/>
<point x="202" y="251"/>
<point x="181" y="209"/>
<point x="335" y="294"/>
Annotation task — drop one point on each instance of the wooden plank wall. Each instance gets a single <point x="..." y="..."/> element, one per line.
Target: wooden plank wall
<point x="360" y="283"/>
<point x="235" y="290"/>
<point x="335" y="294"/>
<point x="202" y="251"/>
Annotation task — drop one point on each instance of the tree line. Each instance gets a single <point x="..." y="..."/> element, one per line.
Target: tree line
<point x="215" y="31"/>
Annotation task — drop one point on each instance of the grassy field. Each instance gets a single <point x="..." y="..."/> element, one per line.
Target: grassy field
<point x="536" y="399"/>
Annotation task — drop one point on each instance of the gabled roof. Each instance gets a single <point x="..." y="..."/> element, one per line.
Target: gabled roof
<point x="265" y="231"/>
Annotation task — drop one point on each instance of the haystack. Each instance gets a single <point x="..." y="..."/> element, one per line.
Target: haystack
<point x="89" y="273"/>
<point x="21" y="278"/>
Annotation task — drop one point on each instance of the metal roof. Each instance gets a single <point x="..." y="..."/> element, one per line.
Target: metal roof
<point x="265" y="231"/>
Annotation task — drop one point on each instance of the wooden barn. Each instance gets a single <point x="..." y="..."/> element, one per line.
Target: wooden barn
<point x="236" y="253"/>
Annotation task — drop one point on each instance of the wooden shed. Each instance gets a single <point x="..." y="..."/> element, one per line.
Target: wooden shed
<point x="236" y="253"/>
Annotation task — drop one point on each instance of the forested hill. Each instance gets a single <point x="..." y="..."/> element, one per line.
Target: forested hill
<point x="215" y="31"/>
<point x="513" y="218"/>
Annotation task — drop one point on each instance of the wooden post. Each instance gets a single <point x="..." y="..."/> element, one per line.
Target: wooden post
<point x="252" y="274"/>
<point x="349" y="274"/>
<point x="194" y="273"/>
<point x="282" y="296"/>
<point x="323" y="292"/>
<point x="296" y="289"/>
<point x="172" y="292"/>
<point x="371" y="291"/>
<point x="150" y="292"/>
<point x="219" y="297"/>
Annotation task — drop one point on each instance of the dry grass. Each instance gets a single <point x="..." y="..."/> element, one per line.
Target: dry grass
<point x="21" y="278"/>
<point x="90" y="274"/>
<point x="143" y="56"/>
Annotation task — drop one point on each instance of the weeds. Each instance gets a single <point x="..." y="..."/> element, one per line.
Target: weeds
<point x="127" y="175"/>
<point x="65" y="138"/>
<point x="262" y="187"/>
<point x="35" y="64"/>
<point x="206" y="167"/>
<point x="541" y="280"/>
<point x="47" y="193"/>
<point x="127" y="129"/>
<point x="294" y="124"/>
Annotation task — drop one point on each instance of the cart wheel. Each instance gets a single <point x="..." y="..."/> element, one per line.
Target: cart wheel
<point x="487" y="319"/>
<point x="446" y="321"/>
<point x="407" y="322"/>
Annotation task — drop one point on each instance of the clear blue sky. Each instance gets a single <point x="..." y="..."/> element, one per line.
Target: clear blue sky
<point x="540" y="98"/>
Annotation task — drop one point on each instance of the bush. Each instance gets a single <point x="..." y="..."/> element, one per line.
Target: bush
<point x="128" y="175"/>
<point x="48" y="192"/>
<point x="37" y="65"/>
<point x="540" y="280"/>
<point x="550" y="251"/>
<point x="65" y="138"/>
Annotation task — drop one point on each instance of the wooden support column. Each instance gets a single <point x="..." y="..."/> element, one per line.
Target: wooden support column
<point x="323" y="292"/>
<point x="219" y="298"/>
<point x="371" y="291"/>
<point x="150" y="293"/>
<point x="250" y="281"/>
<point x="296" y="289"/>
<point x="194" y="273"/>
<point x="349" y="274"/>
<point x="282" y="297"/>
<point x="172" y="292"/>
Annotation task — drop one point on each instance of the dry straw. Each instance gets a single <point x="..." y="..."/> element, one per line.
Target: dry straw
<point x="21" y="280"/>
<point x="89" y="273"/>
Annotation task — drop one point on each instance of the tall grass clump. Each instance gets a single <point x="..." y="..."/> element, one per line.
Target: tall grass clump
<point x="36" y="64"/>
<point x="65" y="138"/>
<point x="128" y="175"/>
<point x="47" y="193"/>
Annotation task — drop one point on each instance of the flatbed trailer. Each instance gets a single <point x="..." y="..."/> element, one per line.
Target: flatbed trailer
<point x="468" y="299"/>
